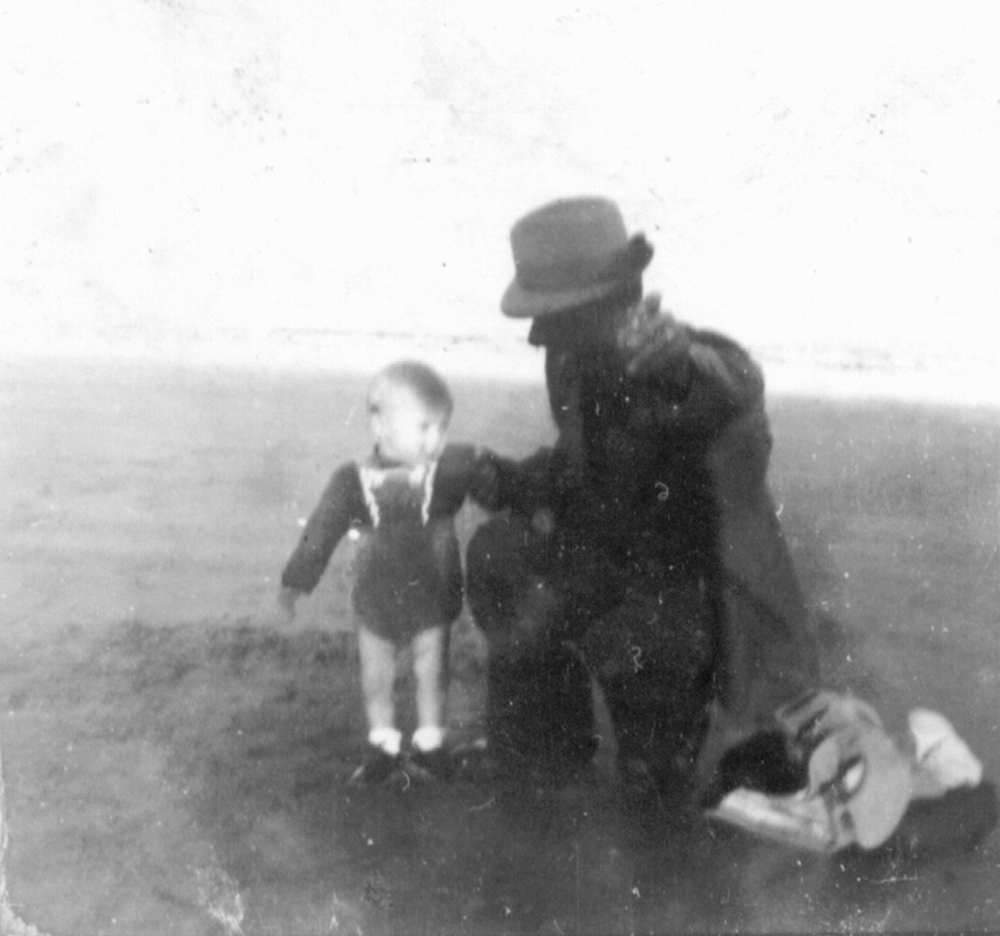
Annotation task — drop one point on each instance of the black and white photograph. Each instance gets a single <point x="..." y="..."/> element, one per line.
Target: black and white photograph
<point x="499" y="470"/>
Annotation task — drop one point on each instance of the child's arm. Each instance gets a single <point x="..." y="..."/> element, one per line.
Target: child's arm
<point x="341" y="505"/>
<point x="278" y="609"/>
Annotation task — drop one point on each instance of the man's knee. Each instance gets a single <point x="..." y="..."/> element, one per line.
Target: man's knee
<point x="654" y="657"/>
<point x="500" y="579"/>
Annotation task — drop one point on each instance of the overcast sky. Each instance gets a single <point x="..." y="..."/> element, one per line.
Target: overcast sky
<point x="808" y="173"/>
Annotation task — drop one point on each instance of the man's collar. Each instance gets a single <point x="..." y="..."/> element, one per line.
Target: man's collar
<point x="588" y="327"/>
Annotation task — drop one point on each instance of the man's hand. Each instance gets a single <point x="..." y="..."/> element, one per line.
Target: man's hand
<point x="651" y="339"/>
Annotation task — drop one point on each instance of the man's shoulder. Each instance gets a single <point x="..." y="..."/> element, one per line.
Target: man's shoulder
<point x="728" y="366"/>
<point x="717" y="340"/>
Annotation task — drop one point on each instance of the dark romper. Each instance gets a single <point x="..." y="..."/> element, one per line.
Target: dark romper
<point x="408" y="566"/>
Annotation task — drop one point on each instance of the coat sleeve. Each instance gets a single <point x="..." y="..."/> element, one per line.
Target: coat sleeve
<point x="341" y="505"/>
<point x="503" y="483"/>
<point x="711" y="384"/>
<point x="495" y="483"/>
<point x="771" y="654"/>
<point x="716" y="390"/>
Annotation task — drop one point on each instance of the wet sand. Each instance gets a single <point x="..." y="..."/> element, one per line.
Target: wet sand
<point x="173" y="766"/>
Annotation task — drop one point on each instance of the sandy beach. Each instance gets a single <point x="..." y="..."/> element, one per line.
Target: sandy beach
<point x="218" y="217"/>
<point x="174" y="767"/>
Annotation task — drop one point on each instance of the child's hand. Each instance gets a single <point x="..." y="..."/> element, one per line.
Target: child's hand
<point x="286" y="601"/>
<point x="279" y="610"/>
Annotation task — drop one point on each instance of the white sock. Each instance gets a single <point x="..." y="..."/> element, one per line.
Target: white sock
<point x="388" y="739"/>
<point x="428" y="737"/>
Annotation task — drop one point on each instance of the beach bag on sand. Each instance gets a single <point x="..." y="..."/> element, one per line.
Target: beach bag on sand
<point x="829" y="777"/>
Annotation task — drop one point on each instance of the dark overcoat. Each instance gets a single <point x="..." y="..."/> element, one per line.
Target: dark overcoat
<point x="660" y="539"/>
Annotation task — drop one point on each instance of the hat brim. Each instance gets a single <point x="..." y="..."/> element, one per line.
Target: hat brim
<point x="518" y="302"/>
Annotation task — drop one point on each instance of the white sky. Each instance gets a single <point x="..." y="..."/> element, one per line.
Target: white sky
<point x="808" y="173"/>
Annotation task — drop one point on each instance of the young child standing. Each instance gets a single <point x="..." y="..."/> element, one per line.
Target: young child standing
<point x="402" y="501"/>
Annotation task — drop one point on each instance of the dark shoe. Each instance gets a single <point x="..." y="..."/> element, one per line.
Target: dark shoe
<point x="952" y="824"/>
<point x="430" y="765"/>
<point x="376" y="768"/>
<point x="479" y="763"/>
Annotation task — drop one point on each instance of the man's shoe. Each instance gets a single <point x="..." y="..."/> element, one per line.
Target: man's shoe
<point x="474" y="761"/>
<point x="376" y="768"/>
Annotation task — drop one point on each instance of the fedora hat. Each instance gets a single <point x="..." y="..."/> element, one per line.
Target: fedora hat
<point x="569" y="253"/>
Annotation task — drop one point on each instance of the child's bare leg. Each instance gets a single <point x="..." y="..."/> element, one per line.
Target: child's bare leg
<point x="430" y="666"/>
<point x="378" y="678"/>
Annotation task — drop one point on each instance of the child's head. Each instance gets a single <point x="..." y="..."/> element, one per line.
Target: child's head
<point x="409" y="406"/>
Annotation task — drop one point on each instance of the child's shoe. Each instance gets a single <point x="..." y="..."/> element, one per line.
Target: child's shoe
<point x="377" y="767"/>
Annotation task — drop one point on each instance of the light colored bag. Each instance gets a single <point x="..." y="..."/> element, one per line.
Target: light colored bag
<point x="860" y="781"/>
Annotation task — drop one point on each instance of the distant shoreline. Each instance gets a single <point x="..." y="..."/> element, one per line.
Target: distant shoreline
<point x="946" y="377"/>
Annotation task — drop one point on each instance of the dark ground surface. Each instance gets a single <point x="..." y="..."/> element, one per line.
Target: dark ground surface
<point x="173" y="767"/>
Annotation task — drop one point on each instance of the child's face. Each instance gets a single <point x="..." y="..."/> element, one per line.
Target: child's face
<point x="404" y="429"/>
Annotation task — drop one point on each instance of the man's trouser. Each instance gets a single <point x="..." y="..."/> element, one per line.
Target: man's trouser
<point x="651" y="650"/>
